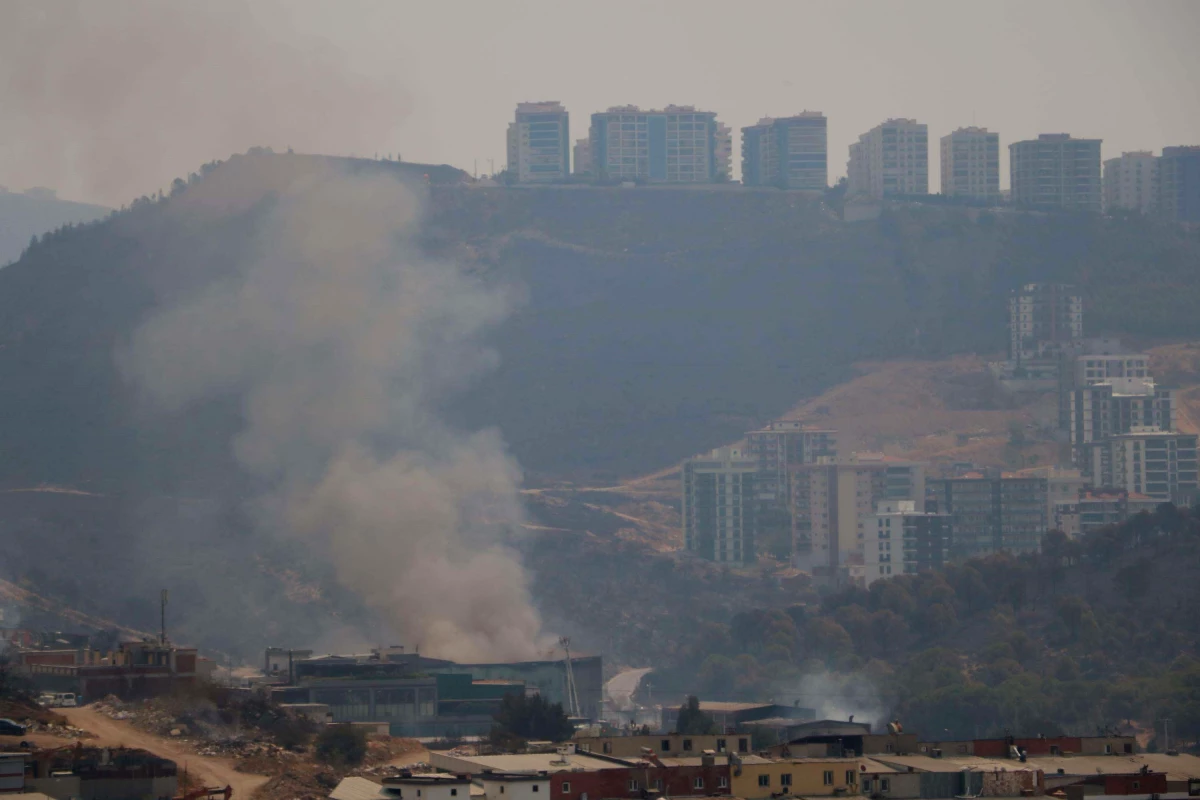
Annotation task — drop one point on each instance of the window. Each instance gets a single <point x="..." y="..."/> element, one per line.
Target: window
<point x="698" y="783"/>
<point x="827" y="777"/>
<point x="743" y="745"/>
<point x="885" y="784"/>
<point x="633" y="785"/>
<point x="687" y="744"/>
<point x="1108" y="751"/>
<point x="658" y="784"/>
<point x="666" y="745"/>
<point x="1137" y="784"/>
<point x="608" y="747"/>
<point x="785" y="779"/>
<point x="851" y="777"/>
<point x="764" y="780"/>
<point x="720" y="745"/>
<point x="566" y="787"/>
<point x="723" y="782"/>
<point x="889" y="747"/>
<point x="454" y="792"/>
<point x="535" y="787"/>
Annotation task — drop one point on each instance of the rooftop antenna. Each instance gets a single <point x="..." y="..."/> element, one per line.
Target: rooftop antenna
<point x="572" y="695"/>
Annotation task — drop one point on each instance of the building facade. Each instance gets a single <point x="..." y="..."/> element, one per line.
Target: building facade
<point x="832" y="503"/>
<point x="775" y="448"/>
<point x="1179" y="184"/>
<point x="1043" y="318"/>
<point x="971" y="164"/>
<point x="890" y="159"/>
<point x="1056" y="171"/>
<point x="787" y="152"/>
<point x="539" y="149"/>
<point x="900" y="540"/>
<point x="677" y="144"/>
<point x="1131" y="182"/>
<point x="723" y="152"/>
<point x="583" y="156"/>
<point x="1158" y="464"/>
<point x="1118" y="405"/>
<point x="992" y="514"/>
<point x="718" y="506"/>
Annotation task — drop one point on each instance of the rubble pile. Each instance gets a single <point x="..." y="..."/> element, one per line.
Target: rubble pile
<point x="61" y="730"/>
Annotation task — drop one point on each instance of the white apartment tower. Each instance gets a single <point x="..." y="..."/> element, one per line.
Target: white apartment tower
<point x="723" y="152"/>
<point x="538" y="147"/>
<point x="971" y="164"/>
<point x="890" y="159"/>
<point x="1131" y="182"/>
<point x="718" y="506"/>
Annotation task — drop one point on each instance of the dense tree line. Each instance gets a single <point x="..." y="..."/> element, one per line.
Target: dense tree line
<point x="1096" y="633"/>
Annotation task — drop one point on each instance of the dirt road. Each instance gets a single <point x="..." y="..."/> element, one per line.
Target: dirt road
<point x="114" y="733"/>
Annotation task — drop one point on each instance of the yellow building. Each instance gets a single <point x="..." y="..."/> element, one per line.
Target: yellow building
<point x="759" y="778"/>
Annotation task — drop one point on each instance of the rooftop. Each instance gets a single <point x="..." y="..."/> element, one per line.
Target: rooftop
<point x="527" y="762"/>
<point x="1180" y="767"/>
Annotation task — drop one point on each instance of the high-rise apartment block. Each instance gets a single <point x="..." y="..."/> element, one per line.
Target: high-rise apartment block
<point x="788" y="152"/>
<point x="583" y="156"/>
<point x="1159" y="464"/>
<point x="723" y="152"/>
<point x="971" y="164"/>
<point x="718" y="506"/>
<point x="1056" y="171"/>
<point x="991" y="514"/>
<point x="1179" y="184"/>
<point x="1118" y="405"/>
<point x="675" y="145"/>
<point x="539" y="149"/>
<point x="900" y="540"/>
<point x="830" y="504"/>
<point x="782" y="444"/>
<point x="890" y="159"/>
<point x="1043" y="318"/>
<point x="1131" y="182"/>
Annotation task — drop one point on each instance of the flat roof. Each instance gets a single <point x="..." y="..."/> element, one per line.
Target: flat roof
<point x="526" y="762"/>
<point x="721" y="758"/>
<point x="953" y="763"/>
<point x="1180" y="767"/>
<point x="710" y="705"/>
<point x="358" y="789"/>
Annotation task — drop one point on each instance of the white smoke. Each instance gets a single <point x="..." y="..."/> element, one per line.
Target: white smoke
<point x="342" y="340"/>
<point x="843" y="695"/>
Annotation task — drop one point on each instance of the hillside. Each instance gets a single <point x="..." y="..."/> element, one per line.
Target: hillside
<point x="645" y="326"/>
<point x="29" y="214"/>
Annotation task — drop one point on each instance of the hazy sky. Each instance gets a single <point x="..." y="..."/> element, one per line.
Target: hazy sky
<point x="108" y="100"/>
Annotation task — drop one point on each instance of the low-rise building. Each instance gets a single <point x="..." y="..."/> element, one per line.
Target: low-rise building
<point x="802" y="777"/>
<point x="666" y="745"/>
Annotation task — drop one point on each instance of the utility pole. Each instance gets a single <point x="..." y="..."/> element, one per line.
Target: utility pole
<point x="162" y="631"/>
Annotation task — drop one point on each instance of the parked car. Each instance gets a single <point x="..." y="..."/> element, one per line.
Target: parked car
<point x="65" y="700"/>
<point x="46" y="700"/>
<point x="10" y="728"/>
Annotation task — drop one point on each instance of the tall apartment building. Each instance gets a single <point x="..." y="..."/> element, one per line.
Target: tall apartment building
<point x="723" y="152"/>
<point x="788" y="152"/>
<point x="1179" y="184"/>
<point x="1159" y="464"/>
<point x="992" y="514"/>
<point x="677" y="144"/>
<point x="782" y="444"/>
<point x="1131" y="182"/>
<point x="900" y="540"/>
<point x="830" y="504"/>
<point x="583" y="156"/>
<point x="1056" y="171"/>
<point x="1116" y="406"/>
<point x="539" y="149"/>
<point x="1043" y="318"/>
<point x="718" y="506"/>
<point x="890" y="159"/>
<point x="971" y="164"/>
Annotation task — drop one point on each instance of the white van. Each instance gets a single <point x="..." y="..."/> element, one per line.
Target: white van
<point x="64" y="700"/>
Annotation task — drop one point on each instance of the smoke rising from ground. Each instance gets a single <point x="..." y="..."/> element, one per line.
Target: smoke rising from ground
<point x="108" y="101"/>
<point x="341" y="340"/>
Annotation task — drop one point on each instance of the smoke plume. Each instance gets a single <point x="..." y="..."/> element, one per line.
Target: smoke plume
<point x="108" y="101"/>
<point x="341" y="340"/>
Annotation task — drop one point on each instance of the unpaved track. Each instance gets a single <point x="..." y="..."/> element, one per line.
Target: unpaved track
<point x="115" y="733"/>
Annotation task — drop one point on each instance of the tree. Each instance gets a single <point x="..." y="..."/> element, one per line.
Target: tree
<point x="694" y="721"/>
<point x="13" y="686"/>
<point x="522" y="718"/>
<point x="342" y="745"/>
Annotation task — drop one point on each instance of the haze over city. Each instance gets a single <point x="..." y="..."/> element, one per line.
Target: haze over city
<point x="105" y="102"/>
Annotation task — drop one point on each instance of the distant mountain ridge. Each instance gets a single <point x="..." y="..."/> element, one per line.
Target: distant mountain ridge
<point x="34" y="212"/>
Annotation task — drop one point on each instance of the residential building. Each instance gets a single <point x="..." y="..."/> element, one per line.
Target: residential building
<point x="971" y="164"/>
<point x="989" y="514"/>
<point x="900" y="540"/>
<point x="1131" y="182"/>
<point x="539" y="148"/>
<point x="677" y="144"/>
<point x="831" y="505"/>
<point x="718" y="506"/>
<point x="838" y="738"/>
<point x="427" y="786"/>
<point x="799" y="777"/>
<point x="788" y="152"/>
<point x="1093" y="510"/>
<point x="1064" y="486"/>
<point x="781" y="444"/>
<point x="1159" y="464"/>
<point x="1085" y="362"/>
<point x="890" y="159"/>
<point x="1056" y="171"/>
<point x="667" y="745"/>
<point x="1118" y="405"/>
<point x="1043" y="318"/>
<point x="723" y="152"/>
<point x="583" y="156"/>
<point x="1179" y="184"/>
